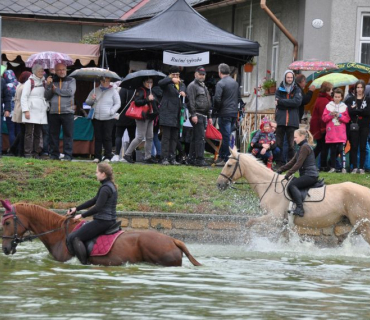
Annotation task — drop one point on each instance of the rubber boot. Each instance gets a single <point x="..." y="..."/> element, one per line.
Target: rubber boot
<point x="80" y="250"/>
<point x="269" y="164"/>
<point x="297" y="199"/>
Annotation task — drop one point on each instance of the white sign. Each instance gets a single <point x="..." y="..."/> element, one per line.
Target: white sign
<point x="317" y="23"/>
<point x="185" y="60"/>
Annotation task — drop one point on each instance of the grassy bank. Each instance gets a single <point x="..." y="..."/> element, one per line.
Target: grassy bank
<point x="152" y="188"/>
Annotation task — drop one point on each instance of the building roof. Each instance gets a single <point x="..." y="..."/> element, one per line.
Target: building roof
<point x="81" y="9"/>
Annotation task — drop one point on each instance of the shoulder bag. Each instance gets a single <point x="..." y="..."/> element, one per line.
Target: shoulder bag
<point x="137" y="112"/>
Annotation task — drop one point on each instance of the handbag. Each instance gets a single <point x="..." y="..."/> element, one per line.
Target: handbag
<point x="354" y="127"/>
<point x="212" y="133"/>
<point x="137" y="112"/>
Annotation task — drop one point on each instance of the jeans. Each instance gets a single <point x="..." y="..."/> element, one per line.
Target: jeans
<point x="358" y="139"/>
<point x="103" y="137"/>
<point x="66" y="121"/>
<point x="156" y="146"/>
<point x="197" y="143"/>
<point x="11" y="130"/>
<point x="225" y="125"/>
<point x="281" y="131"/>
<point x="144" y="129"/>
<point x="335" y="149"/>
<point x="119" y="135"/>
<point x="169" y="141"/>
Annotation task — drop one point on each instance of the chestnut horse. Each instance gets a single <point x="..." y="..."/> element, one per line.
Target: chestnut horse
<point x="344" y="199"/>
<point x="131" y="246"/>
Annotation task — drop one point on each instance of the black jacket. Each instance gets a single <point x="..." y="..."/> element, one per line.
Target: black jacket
<point x="6" y="97"/>
<point x="125" y="96"/>
<point x="171" y="103"/>
<point x="141" y="99"/>
<point x="199" y="99"/>
<point x="105" y="203"/>
<point x="362" y="110"/>
<point x="287" y="110"/>
<point x="226" y="97"/>
<point x="306" y="98"/>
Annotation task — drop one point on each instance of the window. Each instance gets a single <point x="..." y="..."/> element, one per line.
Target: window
<point x="247" y="76"/>
<point x="275" y="51"/>
<point x="365" y="39"/>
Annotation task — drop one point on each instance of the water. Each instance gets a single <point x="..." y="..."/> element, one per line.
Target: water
<point x="260" y="280"/>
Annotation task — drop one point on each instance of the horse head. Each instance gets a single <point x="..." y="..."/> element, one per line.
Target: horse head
<point x="231" y="171"/>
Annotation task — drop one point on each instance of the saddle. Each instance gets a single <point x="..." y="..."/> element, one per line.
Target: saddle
<point x="315" y="193"/>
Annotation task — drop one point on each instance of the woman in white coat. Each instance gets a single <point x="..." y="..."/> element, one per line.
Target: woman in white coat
<point x="106" y="101"/>
<point x="34" y="108"/>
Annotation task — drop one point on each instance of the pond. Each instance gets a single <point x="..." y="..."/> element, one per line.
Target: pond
<point x="259" y="280"/>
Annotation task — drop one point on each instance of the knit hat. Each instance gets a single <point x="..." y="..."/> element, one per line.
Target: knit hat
<point x="264" y="121"/>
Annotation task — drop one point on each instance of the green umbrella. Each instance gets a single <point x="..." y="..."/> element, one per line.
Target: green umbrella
<point x="2" y="69"/>
<point x="336" y="79"/>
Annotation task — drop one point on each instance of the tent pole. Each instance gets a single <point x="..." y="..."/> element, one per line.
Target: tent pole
<point x="1" y="118"/>
<point x="255" y="115"/>
<point x="103" y="59"/>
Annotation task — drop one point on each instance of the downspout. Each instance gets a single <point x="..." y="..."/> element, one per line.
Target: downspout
<point x="282" y="28"/>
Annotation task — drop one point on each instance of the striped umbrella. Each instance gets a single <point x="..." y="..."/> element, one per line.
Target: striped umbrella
<point x="312" y="65"/>
<point x="49" y="59"/>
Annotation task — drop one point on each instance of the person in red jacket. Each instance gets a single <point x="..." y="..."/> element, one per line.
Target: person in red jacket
<point x="317" y="125"/>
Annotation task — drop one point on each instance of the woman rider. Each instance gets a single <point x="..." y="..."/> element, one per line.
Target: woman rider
<point x="103" y="212"/>
<point x="304" y="161"/>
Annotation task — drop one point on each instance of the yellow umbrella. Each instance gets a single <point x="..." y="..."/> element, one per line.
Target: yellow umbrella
<point x="336" y="79"/>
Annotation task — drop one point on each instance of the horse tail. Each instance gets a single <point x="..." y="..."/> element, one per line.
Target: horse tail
<point x="181" y="245"/>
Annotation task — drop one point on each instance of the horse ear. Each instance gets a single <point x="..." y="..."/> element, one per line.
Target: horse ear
<point x="234" y="152"/>
<point x="6" y="204"/>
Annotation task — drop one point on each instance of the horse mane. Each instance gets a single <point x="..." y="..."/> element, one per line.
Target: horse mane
<point x="35" y="212"/>
<point x="258" y="161"/>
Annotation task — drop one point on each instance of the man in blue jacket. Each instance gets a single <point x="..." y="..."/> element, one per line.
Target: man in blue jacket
<point x="288" y="99"/>
<point x="226" y="100"/>
<point x="6" y="99"/>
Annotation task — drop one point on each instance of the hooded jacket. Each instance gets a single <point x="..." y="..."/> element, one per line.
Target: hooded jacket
<point x="62" y="97"/>
<point x="317" y="125"/>
<point x="289" y="101"/>
<point x="336" y="127"/>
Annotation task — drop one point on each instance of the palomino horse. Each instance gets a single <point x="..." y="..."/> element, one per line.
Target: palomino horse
<point x="344" y="199"/>
<point x="131" y="246"/>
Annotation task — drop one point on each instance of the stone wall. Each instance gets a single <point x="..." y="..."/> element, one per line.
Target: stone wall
<point x="198" y="228"/>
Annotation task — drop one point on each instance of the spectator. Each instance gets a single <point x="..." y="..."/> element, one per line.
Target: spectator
<point x="200" y="110"/>
<point x="226" y="100"/>
<point x="34" y="108"/>
<point x="288" y="99"/>
<point x="359" y="111"/>
<point x="306" y="97"/>
<point x="367" y="89"/>
<point x="156" y="146"/>
<point x="351" y="92"/>
<point x="106" y="101"/>
<point x="336" y="117"/>
<point x="18" y="146"/>
<point x="144" y="128"/>
<point x="317" y="125"/>
<point x="60" y="91"/>
<point x="6" y="101"/>
<point x="169" y="114"/>
<point x="124" y="123"/>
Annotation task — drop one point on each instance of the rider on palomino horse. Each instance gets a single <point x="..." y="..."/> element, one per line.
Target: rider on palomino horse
<point x="103" y="212"/>
<point x="304" y="161"/>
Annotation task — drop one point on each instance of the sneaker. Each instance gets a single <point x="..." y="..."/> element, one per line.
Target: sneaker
<point x="332" y="170"/>
<point x="128" y="158"/>
<point x="115" y="158"/>
<point x="220" y="162"/>
<point x="96" y="160"/>
<point x="354" y="171"/>
<point x="344" y="170"/>
<point x="361" y="171"/>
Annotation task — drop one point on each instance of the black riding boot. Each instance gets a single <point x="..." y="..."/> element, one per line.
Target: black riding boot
<point x="297" y="199"/>
<point x="80" y="250"/>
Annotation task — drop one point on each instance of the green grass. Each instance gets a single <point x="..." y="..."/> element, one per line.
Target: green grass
<point x="152" y="188"/>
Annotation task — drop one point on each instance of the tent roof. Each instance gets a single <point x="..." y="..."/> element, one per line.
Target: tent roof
<point x="24" y="48"/>
<point x="180" y="28"/>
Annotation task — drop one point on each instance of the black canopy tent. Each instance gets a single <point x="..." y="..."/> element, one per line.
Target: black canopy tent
<point x="182" y="29"/>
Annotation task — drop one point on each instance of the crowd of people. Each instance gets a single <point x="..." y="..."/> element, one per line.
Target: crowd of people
<point x="42" y="103"/>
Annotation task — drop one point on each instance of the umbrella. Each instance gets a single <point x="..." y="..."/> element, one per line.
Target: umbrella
<point x="336" y="79"/>
<point x="312" y="65"/>
<point x="94" y="74"/>
<point x="2" y="70"/>
<point x="48" y="59"/>
<point x="135" y="80"/>
<point x="182" y="115"/>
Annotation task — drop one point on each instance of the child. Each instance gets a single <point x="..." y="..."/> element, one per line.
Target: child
<point x="336" y="116"/>
<point x="262" y="142"/>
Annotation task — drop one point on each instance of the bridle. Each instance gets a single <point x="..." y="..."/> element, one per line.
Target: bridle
<point x="15" y="238"/>
<point x="237" y="165"/>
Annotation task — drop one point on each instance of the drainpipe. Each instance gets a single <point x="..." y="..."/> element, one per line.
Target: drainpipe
<point x="282" y="28"/>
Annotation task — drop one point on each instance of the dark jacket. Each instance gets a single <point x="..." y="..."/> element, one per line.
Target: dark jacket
<point x="287" y="110"/>
<point x="303" y="160"/>
<point x="125" y="96"/>
<point x="199" y="99"/>
<point x="306" y="98"/>
<point x="141" y="99"/>
<point x="171" y="103"/>
<point x="6" y="97"/>
<point x="105" y="203"/>
<point x="226" y="97"/>
<point x="362" y="111"/>
<point x="317" y="125"/>
<point x="62" y="98"/>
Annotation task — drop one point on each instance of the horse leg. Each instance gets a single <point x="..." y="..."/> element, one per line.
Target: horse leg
<point x="364" y="230"/>
<point x="266" y="220"/>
